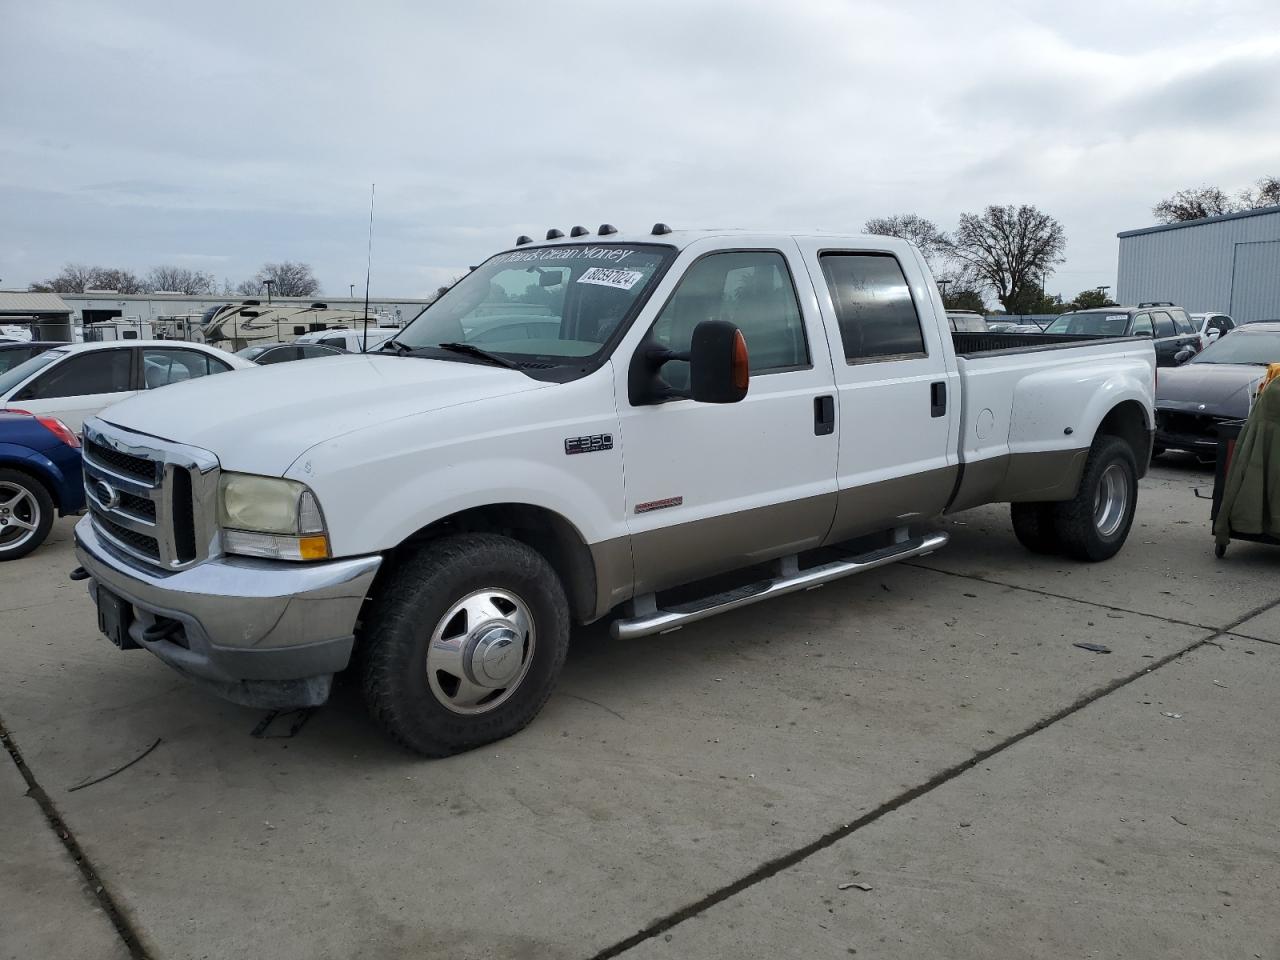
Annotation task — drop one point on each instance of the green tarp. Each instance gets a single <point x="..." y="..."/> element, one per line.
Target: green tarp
<point x="1251" y="501"/>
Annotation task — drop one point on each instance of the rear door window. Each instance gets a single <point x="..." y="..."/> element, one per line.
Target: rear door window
<point x="163" y="366"/>
<point x="873" y="305"/>
<point x="85" y="374"/>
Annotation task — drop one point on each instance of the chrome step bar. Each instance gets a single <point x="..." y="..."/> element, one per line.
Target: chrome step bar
<point x="676" y="616"/>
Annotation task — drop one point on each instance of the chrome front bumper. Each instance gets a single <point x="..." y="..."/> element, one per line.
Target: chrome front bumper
<point x="261" y="632"/>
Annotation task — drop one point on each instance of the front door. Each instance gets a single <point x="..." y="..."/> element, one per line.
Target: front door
<point x="899" y="399"/>
<point x="713" y="487"/>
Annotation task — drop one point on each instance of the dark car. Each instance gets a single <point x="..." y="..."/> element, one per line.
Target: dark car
<point x="12" y="354"/>
<point x="265" y="353"/>
<point x="40" y="473"/>
<point x="1175" y="334"/>
<point x="1216" y="385"/>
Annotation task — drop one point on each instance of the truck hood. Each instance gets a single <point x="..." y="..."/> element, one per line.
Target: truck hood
<point x="261" y="420"/>
<point x="1223" y="388"/>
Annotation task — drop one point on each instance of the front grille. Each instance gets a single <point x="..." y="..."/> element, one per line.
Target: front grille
<point x="140" y="468"/>
<point x="147" y="546"/>
<point x="154" y="499"/>
<point x="139" y="506"/>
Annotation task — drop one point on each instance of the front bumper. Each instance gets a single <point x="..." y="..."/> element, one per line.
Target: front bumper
<point x="1187" y="430"/>
<point x="260" y="632"/>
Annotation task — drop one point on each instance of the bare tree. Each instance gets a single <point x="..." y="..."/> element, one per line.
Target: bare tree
<point x="181" y="280"/>
<point x="1264" y="193"/>
<point x="1193" y="204"/>
<point x="246" y="288"/>
<point x="73" y="278"/>
<point x="1012" y="249"/>
<point x="288" y="279"/>
<point x="933" y="243"/>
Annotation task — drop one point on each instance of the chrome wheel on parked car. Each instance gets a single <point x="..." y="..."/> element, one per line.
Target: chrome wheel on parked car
<point x="480" y="651"/>
<point x="20" y="516"/>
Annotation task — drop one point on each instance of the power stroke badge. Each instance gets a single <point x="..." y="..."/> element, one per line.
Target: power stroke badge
<point x="592" y="444"/>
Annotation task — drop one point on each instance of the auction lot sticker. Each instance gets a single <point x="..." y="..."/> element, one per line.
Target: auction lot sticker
<point x="607" y="277"/>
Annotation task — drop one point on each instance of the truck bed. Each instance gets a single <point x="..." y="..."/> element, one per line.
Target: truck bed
<point x="977" y="344"/>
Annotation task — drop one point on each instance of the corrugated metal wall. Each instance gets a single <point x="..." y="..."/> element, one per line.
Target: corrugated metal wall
<point x="1230" y="264"/>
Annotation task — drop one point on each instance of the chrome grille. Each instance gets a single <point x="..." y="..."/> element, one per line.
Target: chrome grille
<point x="153" y="500"/>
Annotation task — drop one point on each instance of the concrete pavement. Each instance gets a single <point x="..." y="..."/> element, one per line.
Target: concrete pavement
<point x="711" y="785"/>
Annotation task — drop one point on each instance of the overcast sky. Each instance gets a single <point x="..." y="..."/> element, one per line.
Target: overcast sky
<point x="222" y="135"/>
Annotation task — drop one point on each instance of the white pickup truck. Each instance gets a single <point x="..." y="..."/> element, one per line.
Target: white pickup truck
<point x="669" y="425"/>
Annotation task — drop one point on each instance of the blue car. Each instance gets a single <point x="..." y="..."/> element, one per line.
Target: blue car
<point x="40" y="473"/>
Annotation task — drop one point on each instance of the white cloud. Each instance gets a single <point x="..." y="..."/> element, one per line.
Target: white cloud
<point x="254" y="130"/>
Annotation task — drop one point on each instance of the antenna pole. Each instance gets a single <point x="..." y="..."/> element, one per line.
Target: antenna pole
<point x="368" y="269"/>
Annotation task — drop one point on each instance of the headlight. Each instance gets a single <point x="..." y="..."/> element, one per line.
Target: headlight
<point x="270" y="517"/>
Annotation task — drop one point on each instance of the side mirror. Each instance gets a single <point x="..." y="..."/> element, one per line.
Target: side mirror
<point x="1183" y="355"/>
<point x="1214" y="334"/>
<point x="719" y="368"/>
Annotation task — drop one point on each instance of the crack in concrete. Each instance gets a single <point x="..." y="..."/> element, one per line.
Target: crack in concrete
<point x="123" y="928"/>
<point x="1061" y="596"/>
<point x="775" y="866"/>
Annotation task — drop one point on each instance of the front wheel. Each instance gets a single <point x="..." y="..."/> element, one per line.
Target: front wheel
<point x="464" y="643"/>
<point x="1094" y="524"/>
<point x="26" y="514"/>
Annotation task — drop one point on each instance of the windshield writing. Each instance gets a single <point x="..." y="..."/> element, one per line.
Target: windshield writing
<point x="549" y="302"/>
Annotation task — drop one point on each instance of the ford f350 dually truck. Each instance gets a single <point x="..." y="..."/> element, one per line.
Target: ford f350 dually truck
<point x="651" y="427"/>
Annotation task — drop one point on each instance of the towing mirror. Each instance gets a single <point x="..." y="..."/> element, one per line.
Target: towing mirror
<point x="719" y="368"/>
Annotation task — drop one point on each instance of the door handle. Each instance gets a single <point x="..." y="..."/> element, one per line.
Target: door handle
<point x="824" y="416"/>
<point x="938" y="399"/>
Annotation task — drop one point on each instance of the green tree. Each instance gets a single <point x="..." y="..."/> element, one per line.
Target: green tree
<point x="1090" y="300"/>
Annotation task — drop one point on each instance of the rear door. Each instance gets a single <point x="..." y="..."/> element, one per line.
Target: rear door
<point x="899" y="401"/>
<point x="81" y="386"/>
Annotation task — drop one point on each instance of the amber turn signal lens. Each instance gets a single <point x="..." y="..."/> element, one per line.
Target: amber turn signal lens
<point x="741" y="363"/>
<point x="313" y="548"/>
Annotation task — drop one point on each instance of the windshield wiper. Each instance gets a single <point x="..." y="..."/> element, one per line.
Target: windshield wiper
<point x="471" y="350"/>
<point x="400" y="348"/>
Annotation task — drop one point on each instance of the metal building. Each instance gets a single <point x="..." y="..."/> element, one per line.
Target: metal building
<point x="1229" y="263"/>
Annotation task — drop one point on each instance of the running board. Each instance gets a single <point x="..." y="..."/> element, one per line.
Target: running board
<point x="677" y="615"/>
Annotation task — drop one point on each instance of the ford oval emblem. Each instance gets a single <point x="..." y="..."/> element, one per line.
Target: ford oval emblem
<point x="106" y="494"/>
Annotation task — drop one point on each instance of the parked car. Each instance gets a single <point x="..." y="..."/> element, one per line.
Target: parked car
<point x="1214" y="386"/>
<point x="502" y="514"/>
<point x="39" y="476"/>
<point x="967" y="321"/>
<point x="1176" y="338"/>
<point x="1211" y="326"/>
<point x="12" y="354"/>
<point x="350" y="341"/>
<point x="77" y="380"/>
<point x="1001" y="326"/>
<point x="268" y="353"/>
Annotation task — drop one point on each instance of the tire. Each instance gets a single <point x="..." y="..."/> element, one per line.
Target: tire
<point x="26" y="514"/>
<point x="459" y="606"/>
<point x="1094" y="524"/>
<point x="1033" y="525"/>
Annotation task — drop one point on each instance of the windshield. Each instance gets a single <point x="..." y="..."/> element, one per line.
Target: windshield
<point x="12" y="378"/>
<point x="1242" y="347"/>
<point x="548" y="303"/>
<point x="1100" y="324"/>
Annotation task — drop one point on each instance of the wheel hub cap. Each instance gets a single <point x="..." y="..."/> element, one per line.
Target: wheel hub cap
<point x="495" y="657"/>
<point x="1111" y="502"/>
<point x="480" y="651"/>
